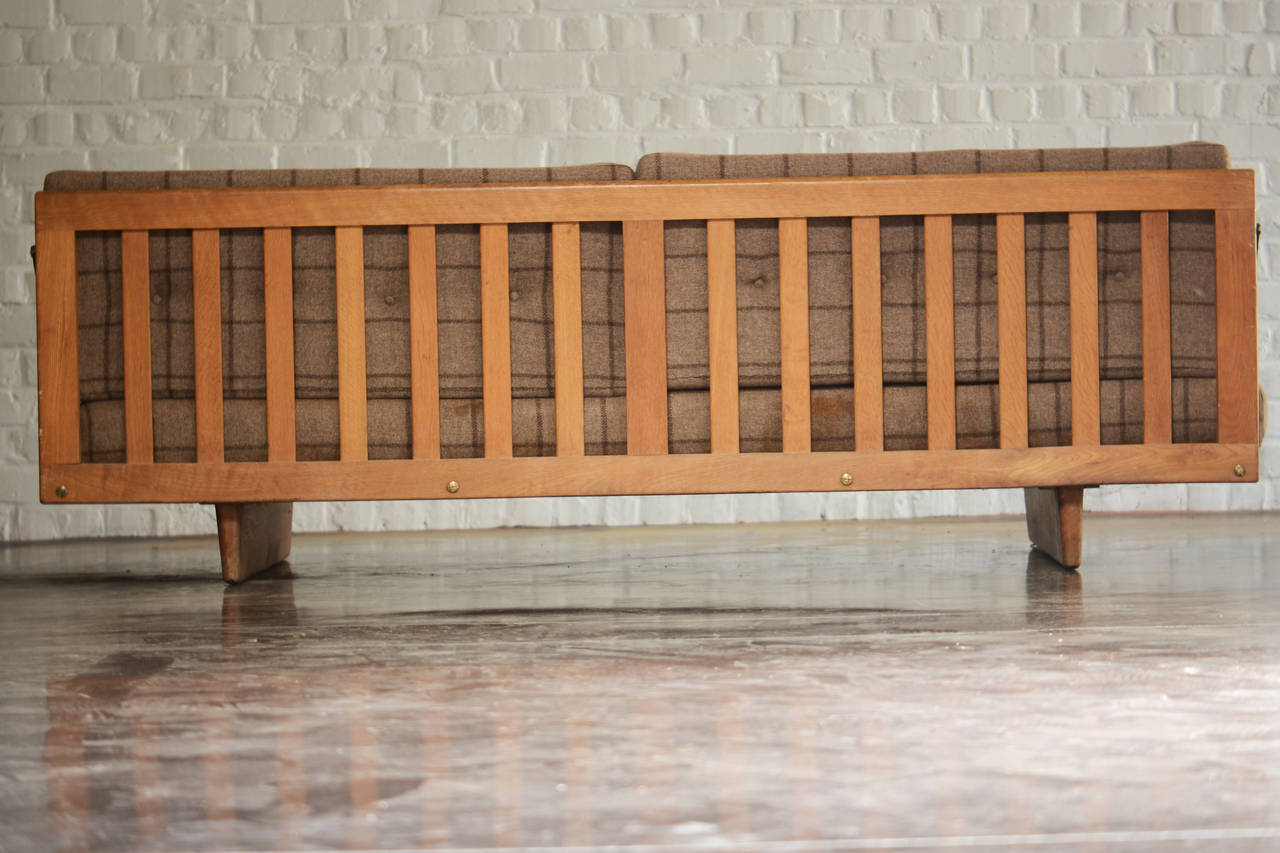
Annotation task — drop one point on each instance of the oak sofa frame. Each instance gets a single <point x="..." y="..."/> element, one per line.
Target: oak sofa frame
<point x="254" y="499"/>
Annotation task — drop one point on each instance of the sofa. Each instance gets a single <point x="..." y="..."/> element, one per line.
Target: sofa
<point x="1047" y="319"/>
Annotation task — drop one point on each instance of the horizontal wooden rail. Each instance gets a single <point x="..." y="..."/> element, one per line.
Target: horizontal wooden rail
<point x="296" y="207"/>
<point x="548" y="476"/>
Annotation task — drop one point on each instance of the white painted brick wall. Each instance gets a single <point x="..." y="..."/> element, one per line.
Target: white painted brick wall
<point x="147" y="84"/>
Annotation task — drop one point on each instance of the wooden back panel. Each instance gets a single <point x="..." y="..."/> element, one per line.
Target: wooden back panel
<point x="642" y="207"/>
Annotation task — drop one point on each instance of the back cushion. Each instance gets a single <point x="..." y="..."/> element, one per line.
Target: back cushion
<point x="902" y="269"/>
<point x="386" y="293"/>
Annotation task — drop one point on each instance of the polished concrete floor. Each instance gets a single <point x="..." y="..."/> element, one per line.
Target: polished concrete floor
<point x="884" y="685"/>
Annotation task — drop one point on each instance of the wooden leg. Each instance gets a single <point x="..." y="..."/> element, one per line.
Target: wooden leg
<point x="253" y="537"/>
<point x="1054" y="521"/>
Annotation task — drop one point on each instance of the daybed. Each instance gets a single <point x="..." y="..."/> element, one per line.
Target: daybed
<point x="1049" y="319"/>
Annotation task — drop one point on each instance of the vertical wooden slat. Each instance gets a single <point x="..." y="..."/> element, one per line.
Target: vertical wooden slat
<point x="1085" y="406"/>
<point x="868" y="357"/>
<point x="57" y="347"/>
<point x="353" y="401"/>
<point x="135" y="276"/>
<point x="495" y="339"/>
<point x="1157" y="401"/>
<point x="644" y="285"/>
<point x="1237" y="327"/>
<point x="722" y="334"/>
<point x="940" y="332"/>
<point x="1011" y="285"/>
<point x="206" y="267"/>
<point x="424" y="343"/>
<point x="566" y="267"/>
<point x="793" y="271"/>
<point x="277" y="269"/>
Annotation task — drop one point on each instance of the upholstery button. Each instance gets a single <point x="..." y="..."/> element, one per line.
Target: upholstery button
<point x="515" y="296"/>
<point x="759" y="282"/>
<point x="389" y="299"/>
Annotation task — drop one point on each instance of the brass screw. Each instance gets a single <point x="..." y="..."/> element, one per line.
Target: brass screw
<point x="61" y="491"/>
<point x="847" y="479"/>
<point x="452" y="487"/>
<point x="1240" y="471"/>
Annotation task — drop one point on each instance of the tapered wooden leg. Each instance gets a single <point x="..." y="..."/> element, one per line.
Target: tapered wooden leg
<point x="1054" y="522"/>
<point x="253" y="537"/>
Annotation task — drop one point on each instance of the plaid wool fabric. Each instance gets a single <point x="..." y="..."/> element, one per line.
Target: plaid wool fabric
<point x="902" y="267"/>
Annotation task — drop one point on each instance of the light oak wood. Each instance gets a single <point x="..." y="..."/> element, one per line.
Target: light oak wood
<point x="353" y="398"/>
<point x="57" y="348"/>
<point x="1157" y="363"/>
<point x="424" y="345"/>
<point x="253" y="537"/>
<point x="868" y="353"/>
<point x="296" y="207"/>
<point x="495" y="338"/>
<point x="644" y="285"/>
<point x="722" y="334"/>
<point x="277" y="275"/>
<point x="1085" y="405"/>
<point x="206" y="268"/>
<point x="1011" y="312"/>
<point x="135" y="277"/>
<point x="566" y="267"/>
<point x="940" y="331"/>
<point x="1237" y="328"/>
<point x="1055" y="522"/>
<point x="647" y="475"/>
<point x="793" y="274"/>
<point x="642" y="207"/>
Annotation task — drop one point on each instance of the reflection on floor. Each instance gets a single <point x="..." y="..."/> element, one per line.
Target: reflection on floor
<point x="806" y="686"/>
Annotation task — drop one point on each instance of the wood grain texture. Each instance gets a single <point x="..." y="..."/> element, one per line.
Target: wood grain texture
<point x="277" y="275"/>
<point x="644" y="283"/>
<point x="495" y="338"/>
<point x="57" y="347"/>
<point x="1086" y="408"/>
<point x="252" y="537"/>
<point x="353" y="398"/>
<point x="566" y="266"/>
<point x="206" y="267"/>
<point x="1055" y="519"/>
<point x="793" y="275"/>
<point x="1011" y="284"/>
<point x="1237" y="327"/>
<point x="722" y="334"/>
<point x="424" y="343"/>
<point x="868" y="352"/>
<point x="296" y="207"/>
<point x="135" y="278"/>
<point x="940" y="332"/>
<point x="1157" y="363"/>
<point x="647" y="475"/>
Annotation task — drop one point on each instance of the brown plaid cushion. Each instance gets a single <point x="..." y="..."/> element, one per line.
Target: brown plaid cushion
<point x="902" y="269"/>
<point x="386" y="293"/>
